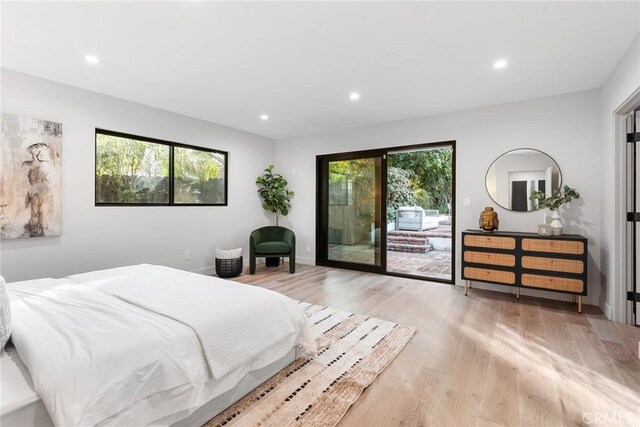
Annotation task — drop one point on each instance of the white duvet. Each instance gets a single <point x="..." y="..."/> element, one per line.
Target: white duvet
<point x="98" y="343"/>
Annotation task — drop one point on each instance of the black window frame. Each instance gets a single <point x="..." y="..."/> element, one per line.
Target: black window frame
<point x="171" y="176"/>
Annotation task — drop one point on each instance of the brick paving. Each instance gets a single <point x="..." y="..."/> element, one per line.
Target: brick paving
<point x="431" y="264"/>
<point x="434" y="263"/>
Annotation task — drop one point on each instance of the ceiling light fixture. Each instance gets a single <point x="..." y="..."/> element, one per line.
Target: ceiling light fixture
<point x="354" y="96"/>
<point x="264" y="117"/>
<point x="92" y="59"/>
<point x="500" y="64"/>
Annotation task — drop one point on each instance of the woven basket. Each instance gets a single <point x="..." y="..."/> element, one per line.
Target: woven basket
<point x="230" y="267"/>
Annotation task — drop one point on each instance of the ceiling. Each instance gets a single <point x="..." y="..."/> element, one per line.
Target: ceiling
<point x="230" y="62"/>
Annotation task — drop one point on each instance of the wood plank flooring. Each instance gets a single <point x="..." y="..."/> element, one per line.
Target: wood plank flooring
<point x="481" y="360"/>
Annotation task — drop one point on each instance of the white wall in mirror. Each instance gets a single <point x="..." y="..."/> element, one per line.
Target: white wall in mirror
<point x="513" y="176"/>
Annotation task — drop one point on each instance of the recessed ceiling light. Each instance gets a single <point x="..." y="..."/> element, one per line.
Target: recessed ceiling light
<point x="264" y="117"/>
<point x="354" y="96"/>
<point x="92" y="59"/>
<point x="500" y="64"/>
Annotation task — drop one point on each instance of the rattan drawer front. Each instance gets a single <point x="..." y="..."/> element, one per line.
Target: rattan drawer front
<point x="554" y="283"/>
<point x="571" y="247"/>
<point x="490" y="258"/>
<point x="490" y="242"/>
<point x="553" y="264"/>
<point x="483" y="274"/>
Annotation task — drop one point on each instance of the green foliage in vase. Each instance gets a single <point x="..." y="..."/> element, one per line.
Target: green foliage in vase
<point x="562" y="196"/>
<point x="275" y="195"/>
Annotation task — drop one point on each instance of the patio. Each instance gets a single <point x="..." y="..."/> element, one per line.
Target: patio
<point x="435" y="262"/>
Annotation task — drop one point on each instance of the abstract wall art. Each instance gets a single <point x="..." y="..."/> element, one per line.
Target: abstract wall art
<point x="30" y="178"/>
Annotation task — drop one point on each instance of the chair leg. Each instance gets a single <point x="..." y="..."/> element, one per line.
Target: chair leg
<point x="252" y="265"/>
<point x="292" y="265"/>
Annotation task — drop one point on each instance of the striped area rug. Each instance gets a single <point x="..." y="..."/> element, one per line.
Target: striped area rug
<point x="317" y="390"/>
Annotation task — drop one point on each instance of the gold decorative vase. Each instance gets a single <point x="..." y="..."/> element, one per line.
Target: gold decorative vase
<point x="489" y="220"/>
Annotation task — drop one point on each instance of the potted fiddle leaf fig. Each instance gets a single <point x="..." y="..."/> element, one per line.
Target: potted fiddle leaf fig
<point x="553" y="203"/>
<point x="276" y="197"/>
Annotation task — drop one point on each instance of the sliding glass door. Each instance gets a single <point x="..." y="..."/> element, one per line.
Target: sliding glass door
<point x="388" y="211"/>
<point x="350" y="201"/>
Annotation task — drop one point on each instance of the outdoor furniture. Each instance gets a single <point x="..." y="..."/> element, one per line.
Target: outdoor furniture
<point x="415" y="218"/>
<point x="272" y="242"/>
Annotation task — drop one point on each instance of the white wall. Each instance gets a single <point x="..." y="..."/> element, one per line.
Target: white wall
<point x="617" y="91"/>
<point x="567" y="127"/>
<point x="101" y="237"/>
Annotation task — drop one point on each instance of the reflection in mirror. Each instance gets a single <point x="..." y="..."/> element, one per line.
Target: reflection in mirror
<point x="513" y="176"/>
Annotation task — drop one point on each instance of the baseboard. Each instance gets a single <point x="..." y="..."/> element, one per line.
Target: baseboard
<point x="306" y="260"/>
<point x="208" y="270"/>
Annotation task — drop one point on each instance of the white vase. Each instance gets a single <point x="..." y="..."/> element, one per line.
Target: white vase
<point x="556" y="223"/>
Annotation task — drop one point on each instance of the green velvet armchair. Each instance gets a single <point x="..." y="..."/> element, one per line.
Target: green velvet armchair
<point x="272" y="242"/>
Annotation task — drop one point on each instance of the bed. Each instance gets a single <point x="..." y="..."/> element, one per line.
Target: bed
<point x="141" y="345"/>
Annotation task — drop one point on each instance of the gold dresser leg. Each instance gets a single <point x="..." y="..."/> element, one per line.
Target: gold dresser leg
<point x="517" y="293"/>
<point x="579" y="303"/>
<point x="466" y="287"/>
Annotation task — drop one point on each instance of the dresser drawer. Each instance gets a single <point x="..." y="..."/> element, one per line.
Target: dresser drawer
<point x="553" y="283"/>
<point x="571" y="247"/>
<point x="553" y="264"/>
<point x="484" y="274"/>
<point x="493" y="242"/>
<point x="489" y="258"/>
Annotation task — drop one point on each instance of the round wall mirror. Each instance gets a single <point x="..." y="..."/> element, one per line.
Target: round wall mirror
<point x="513" y="176"/>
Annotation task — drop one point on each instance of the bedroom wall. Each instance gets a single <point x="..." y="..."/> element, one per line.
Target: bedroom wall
<point x="101" y="237"/>
<point x="567" y="127"/>
<point x="618" y="89"/>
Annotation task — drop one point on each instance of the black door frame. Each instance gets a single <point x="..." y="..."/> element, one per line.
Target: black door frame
<point x="322" y="209"/>
<point x="633" y="217"/>
<point x="322" y="215"/>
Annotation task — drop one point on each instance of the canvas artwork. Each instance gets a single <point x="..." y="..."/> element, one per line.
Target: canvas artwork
<point x="30" y="178"/>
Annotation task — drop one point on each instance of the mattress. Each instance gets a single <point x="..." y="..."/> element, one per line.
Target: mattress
<point x="21" y="406"/>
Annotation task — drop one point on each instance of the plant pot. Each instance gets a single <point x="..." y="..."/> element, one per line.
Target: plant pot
<point x="556" y="223"/>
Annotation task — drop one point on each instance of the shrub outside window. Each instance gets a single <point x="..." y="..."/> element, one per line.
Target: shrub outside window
<point x="140" y="171"/>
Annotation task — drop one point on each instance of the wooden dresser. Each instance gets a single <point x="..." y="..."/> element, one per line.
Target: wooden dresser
<point x="526" y="260"/>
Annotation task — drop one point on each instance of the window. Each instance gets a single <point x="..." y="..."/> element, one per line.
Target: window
<point x="134" y="170"/>
<point x="198" y="176"/>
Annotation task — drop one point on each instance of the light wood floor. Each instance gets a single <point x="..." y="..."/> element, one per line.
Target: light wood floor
<point x="481" y="360"/>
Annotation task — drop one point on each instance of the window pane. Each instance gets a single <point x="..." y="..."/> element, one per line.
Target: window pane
<point x="131" y="171"/>
<point x="198" y="176"/>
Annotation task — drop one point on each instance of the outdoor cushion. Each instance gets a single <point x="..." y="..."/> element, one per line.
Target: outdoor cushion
<point x="272" y="248"/>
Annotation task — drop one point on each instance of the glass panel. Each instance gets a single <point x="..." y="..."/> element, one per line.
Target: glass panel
<point x="419" y="208"/>
<point x="130" y="171"/>
<point x="199" y="176"/>
<point x="354" y="203"/>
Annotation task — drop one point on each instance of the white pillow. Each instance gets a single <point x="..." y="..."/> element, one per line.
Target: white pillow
<point x="5" y="315"/>
<point x="228" y="254"/>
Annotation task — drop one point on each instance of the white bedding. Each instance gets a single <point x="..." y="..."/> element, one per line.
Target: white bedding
<point x="210" y="306"/>
<point x="95" y="357"/>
